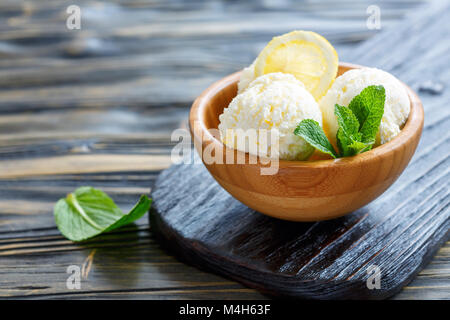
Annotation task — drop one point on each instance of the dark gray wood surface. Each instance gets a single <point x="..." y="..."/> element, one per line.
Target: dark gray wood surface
<point x="97" y="106"/>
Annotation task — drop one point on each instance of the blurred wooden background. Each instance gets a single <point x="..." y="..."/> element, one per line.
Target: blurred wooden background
<point x="97" y="107"/>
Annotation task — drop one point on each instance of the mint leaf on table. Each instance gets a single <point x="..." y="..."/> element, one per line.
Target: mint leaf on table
<point x="368" y="107"/>
<point x="136" y="213"/>
<point x="312" y="133"/>
<point x="88" y="212"/>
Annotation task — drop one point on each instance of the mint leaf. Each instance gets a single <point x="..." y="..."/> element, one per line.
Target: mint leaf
<point x="136" y="213"/>
<point x="347" y="120"/>
<point x="312" y="133"/>
<point x="349" y="147"/>
<point x="368" y="107"/>
<point x="358" y="124"/>
<point x="88" y="212"/>
<point x="343" y="143"/>
<point x="359" y="109"/>
<point x="348" y="136"/>
<point x="348" y="130"/>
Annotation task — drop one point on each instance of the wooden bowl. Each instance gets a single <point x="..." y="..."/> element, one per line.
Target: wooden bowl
<point x="302" y="190"/>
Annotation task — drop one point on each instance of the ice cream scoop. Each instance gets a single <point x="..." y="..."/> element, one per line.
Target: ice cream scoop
<point x="247" y="76"/>
<point x="350" y="84"/>
<point x="275" y="101"/>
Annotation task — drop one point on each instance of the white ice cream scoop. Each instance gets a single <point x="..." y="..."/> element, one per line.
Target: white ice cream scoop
<point x="275" y="101"/>
<point x="350" y="84"/>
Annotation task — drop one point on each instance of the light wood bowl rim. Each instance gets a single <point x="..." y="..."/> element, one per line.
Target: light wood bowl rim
<point x="413" y="124"/>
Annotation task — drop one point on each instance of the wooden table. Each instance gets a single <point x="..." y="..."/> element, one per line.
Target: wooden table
<point x="97" y="106"/>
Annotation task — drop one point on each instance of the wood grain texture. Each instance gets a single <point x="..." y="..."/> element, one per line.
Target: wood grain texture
<point x="121" y="85"/>
<point x="299" y="190"/>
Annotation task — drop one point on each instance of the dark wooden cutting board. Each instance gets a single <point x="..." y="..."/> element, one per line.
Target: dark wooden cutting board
<point x="398" y="233"/>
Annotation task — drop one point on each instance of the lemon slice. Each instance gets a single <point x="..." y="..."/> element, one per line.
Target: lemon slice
<point x="304" y="54"/>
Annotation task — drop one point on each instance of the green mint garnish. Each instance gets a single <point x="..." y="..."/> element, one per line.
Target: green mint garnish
<point x="348" y="132"/>
<point x="348" y="136"/>
<point x="358" y="125"/>
<point x="88" y="212"/>
<point x="368" y="107"/>
<point x="312" y="133"/>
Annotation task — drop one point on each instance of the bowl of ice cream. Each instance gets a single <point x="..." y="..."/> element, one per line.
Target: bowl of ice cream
<point x="299" y="190"/>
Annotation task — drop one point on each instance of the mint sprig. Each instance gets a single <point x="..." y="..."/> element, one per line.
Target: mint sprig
<point x="88" y="212"/>
<point x="358" y="125"/>
<point x="368" y="107"/>
<point x="312" y="132"/>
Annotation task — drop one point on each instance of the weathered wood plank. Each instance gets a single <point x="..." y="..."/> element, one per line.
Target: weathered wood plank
<point x="138" y="45"/>
<point x="134" y="256"/>
<point x="148" y="258"/>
